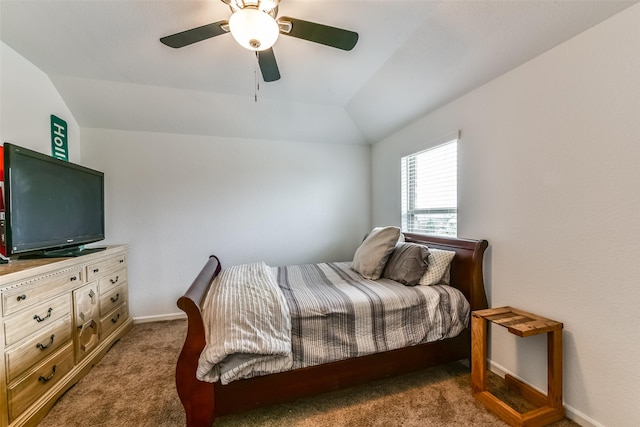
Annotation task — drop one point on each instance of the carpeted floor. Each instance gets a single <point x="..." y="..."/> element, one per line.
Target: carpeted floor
<point x="133" y="386"/>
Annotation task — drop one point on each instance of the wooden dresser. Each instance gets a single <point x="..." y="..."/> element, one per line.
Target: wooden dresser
<point x="59" y="317"/>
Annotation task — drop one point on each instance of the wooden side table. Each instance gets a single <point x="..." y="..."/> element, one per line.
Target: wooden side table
<point x="522" y="324"/>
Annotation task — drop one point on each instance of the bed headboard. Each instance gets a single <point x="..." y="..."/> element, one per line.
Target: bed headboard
<point x="466" y="267"/>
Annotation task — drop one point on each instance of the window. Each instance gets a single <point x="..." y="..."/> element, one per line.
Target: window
<point x="430" y="190"/>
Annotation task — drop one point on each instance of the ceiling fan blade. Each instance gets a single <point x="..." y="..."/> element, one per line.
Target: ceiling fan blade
<point x="195" y="35"/>
<point x="268" y="65"/>
<point x="318" y="33"/>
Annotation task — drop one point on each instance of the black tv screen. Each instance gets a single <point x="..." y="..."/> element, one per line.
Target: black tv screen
<point x="49" y="203"/>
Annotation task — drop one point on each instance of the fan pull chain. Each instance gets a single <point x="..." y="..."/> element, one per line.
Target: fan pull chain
<point x="257" y="80"/>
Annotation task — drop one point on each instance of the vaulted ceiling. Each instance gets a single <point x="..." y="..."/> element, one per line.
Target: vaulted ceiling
<point x="106" y="61"/>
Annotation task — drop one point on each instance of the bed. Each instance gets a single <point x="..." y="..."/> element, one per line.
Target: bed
<point x="204" y="401"/>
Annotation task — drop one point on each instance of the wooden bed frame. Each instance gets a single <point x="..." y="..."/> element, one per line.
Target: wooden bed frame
<point x="204" y="401"/>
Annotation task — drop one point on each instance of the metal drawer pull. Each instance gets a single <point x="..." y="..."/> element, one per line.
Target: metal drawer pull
<point x="73" y="278"/>
<point x="95" y="270"/>
<point x="42" y="319"/>
<point x="122" y="260"/>
<point x="43" y="347"/>
<point x="21" y="297"/>
<point x="117" y="297"/>
<point x="115" y="320"/>
<point x="114" y="281"/>
<point x="47" y="379"/>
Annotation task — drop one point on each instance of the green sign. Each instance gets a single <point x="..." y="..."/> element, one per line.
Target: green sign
<point x="59" y="148"/>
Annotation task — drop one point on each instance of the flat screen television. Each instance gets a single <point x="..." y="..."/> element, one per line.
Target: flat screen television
<point x="52" y="207"/>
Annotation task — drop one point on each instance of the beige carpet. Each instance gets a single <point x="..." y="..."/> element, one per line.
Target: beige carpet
<point x="133" y="386"/>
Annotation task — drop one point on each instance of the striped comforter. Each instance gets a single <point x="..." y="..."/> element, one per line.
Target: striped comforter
<point x="337" y="314"/>
<point x="264" y="320"/>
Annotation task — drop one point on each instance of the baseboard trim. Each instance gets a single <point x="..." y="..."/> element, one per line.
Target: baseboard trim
<point x="571" y="413"/>
<point x="159" y="318"/>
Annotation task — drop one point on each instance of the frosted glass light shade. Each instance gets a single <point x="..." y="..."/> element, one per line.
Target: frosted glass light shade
<point x="253" y="29"/>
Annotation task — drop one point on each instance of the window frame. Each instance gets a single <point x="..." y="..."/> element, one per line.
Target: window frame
<point x="409" y="181"/>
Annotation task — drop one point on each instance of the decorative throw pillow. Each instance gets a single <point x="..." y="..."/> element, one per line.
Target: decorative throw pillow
<point x="371" y="256"/>
<point x="407" y="263"/>
<point x="401" y="239"/>
<point x="439" y="267"/>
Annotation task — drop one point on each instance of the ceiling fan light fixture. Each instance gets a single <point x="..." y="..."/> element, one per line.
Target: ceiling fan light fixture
<point x="267" y="6"/>
<point x="253" y="29"/>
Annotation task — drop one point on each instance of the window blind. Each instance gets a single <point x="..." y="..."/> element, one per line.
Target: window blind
<point x="430" y="190"/>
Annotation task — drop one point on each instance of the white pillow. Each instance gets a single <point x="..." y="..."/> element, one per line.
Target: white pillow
<point x="373" y="253"/>
<point x="439" y="267"/>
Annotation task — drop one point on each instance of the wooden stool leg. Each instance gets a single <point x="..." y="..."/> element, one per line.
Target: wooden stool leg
<point x="554" y="370"/>
<point x="478" y="354"/>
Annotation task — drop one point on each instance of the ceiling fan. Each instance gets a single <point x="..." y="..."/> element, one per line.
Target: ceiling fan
<point x="254" y="26"/>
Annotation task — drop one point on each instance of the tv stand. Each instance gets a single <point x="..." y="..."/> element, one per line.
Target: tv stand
<point x="62" y="253"/>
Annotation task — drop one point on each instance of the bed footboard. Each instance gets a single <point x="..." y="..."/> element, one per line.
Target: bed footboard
<point x="197" y="396"/>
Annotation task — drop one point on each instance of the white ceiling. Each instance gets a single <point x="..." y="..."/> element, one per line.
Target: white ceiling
<point x="106" y="61"/>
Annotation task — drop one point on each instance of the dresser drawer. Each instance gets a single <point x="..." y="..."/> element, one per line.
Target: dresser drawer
<point x="35" y="319"/>
<point x="113" y="298"/>
<point x="31" y="292"/>
<point x="38" y="348"/>
<point x="113" y="320"/>
<point x="113" y="279"/>
<point x="99" y="269"/>
<point x="26" y="391"/>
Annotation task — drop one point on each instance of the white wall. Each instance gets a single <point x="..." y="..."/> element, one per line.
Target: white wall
<point x="176" y="199"/>
<point x="549" y="173"/>
<point x="27" y="101"/>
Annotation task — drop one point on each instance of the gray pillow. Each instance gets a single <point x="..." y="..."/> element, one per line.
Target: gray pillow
<point x="372" y="254"/>
<point x="407" y="263"/>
